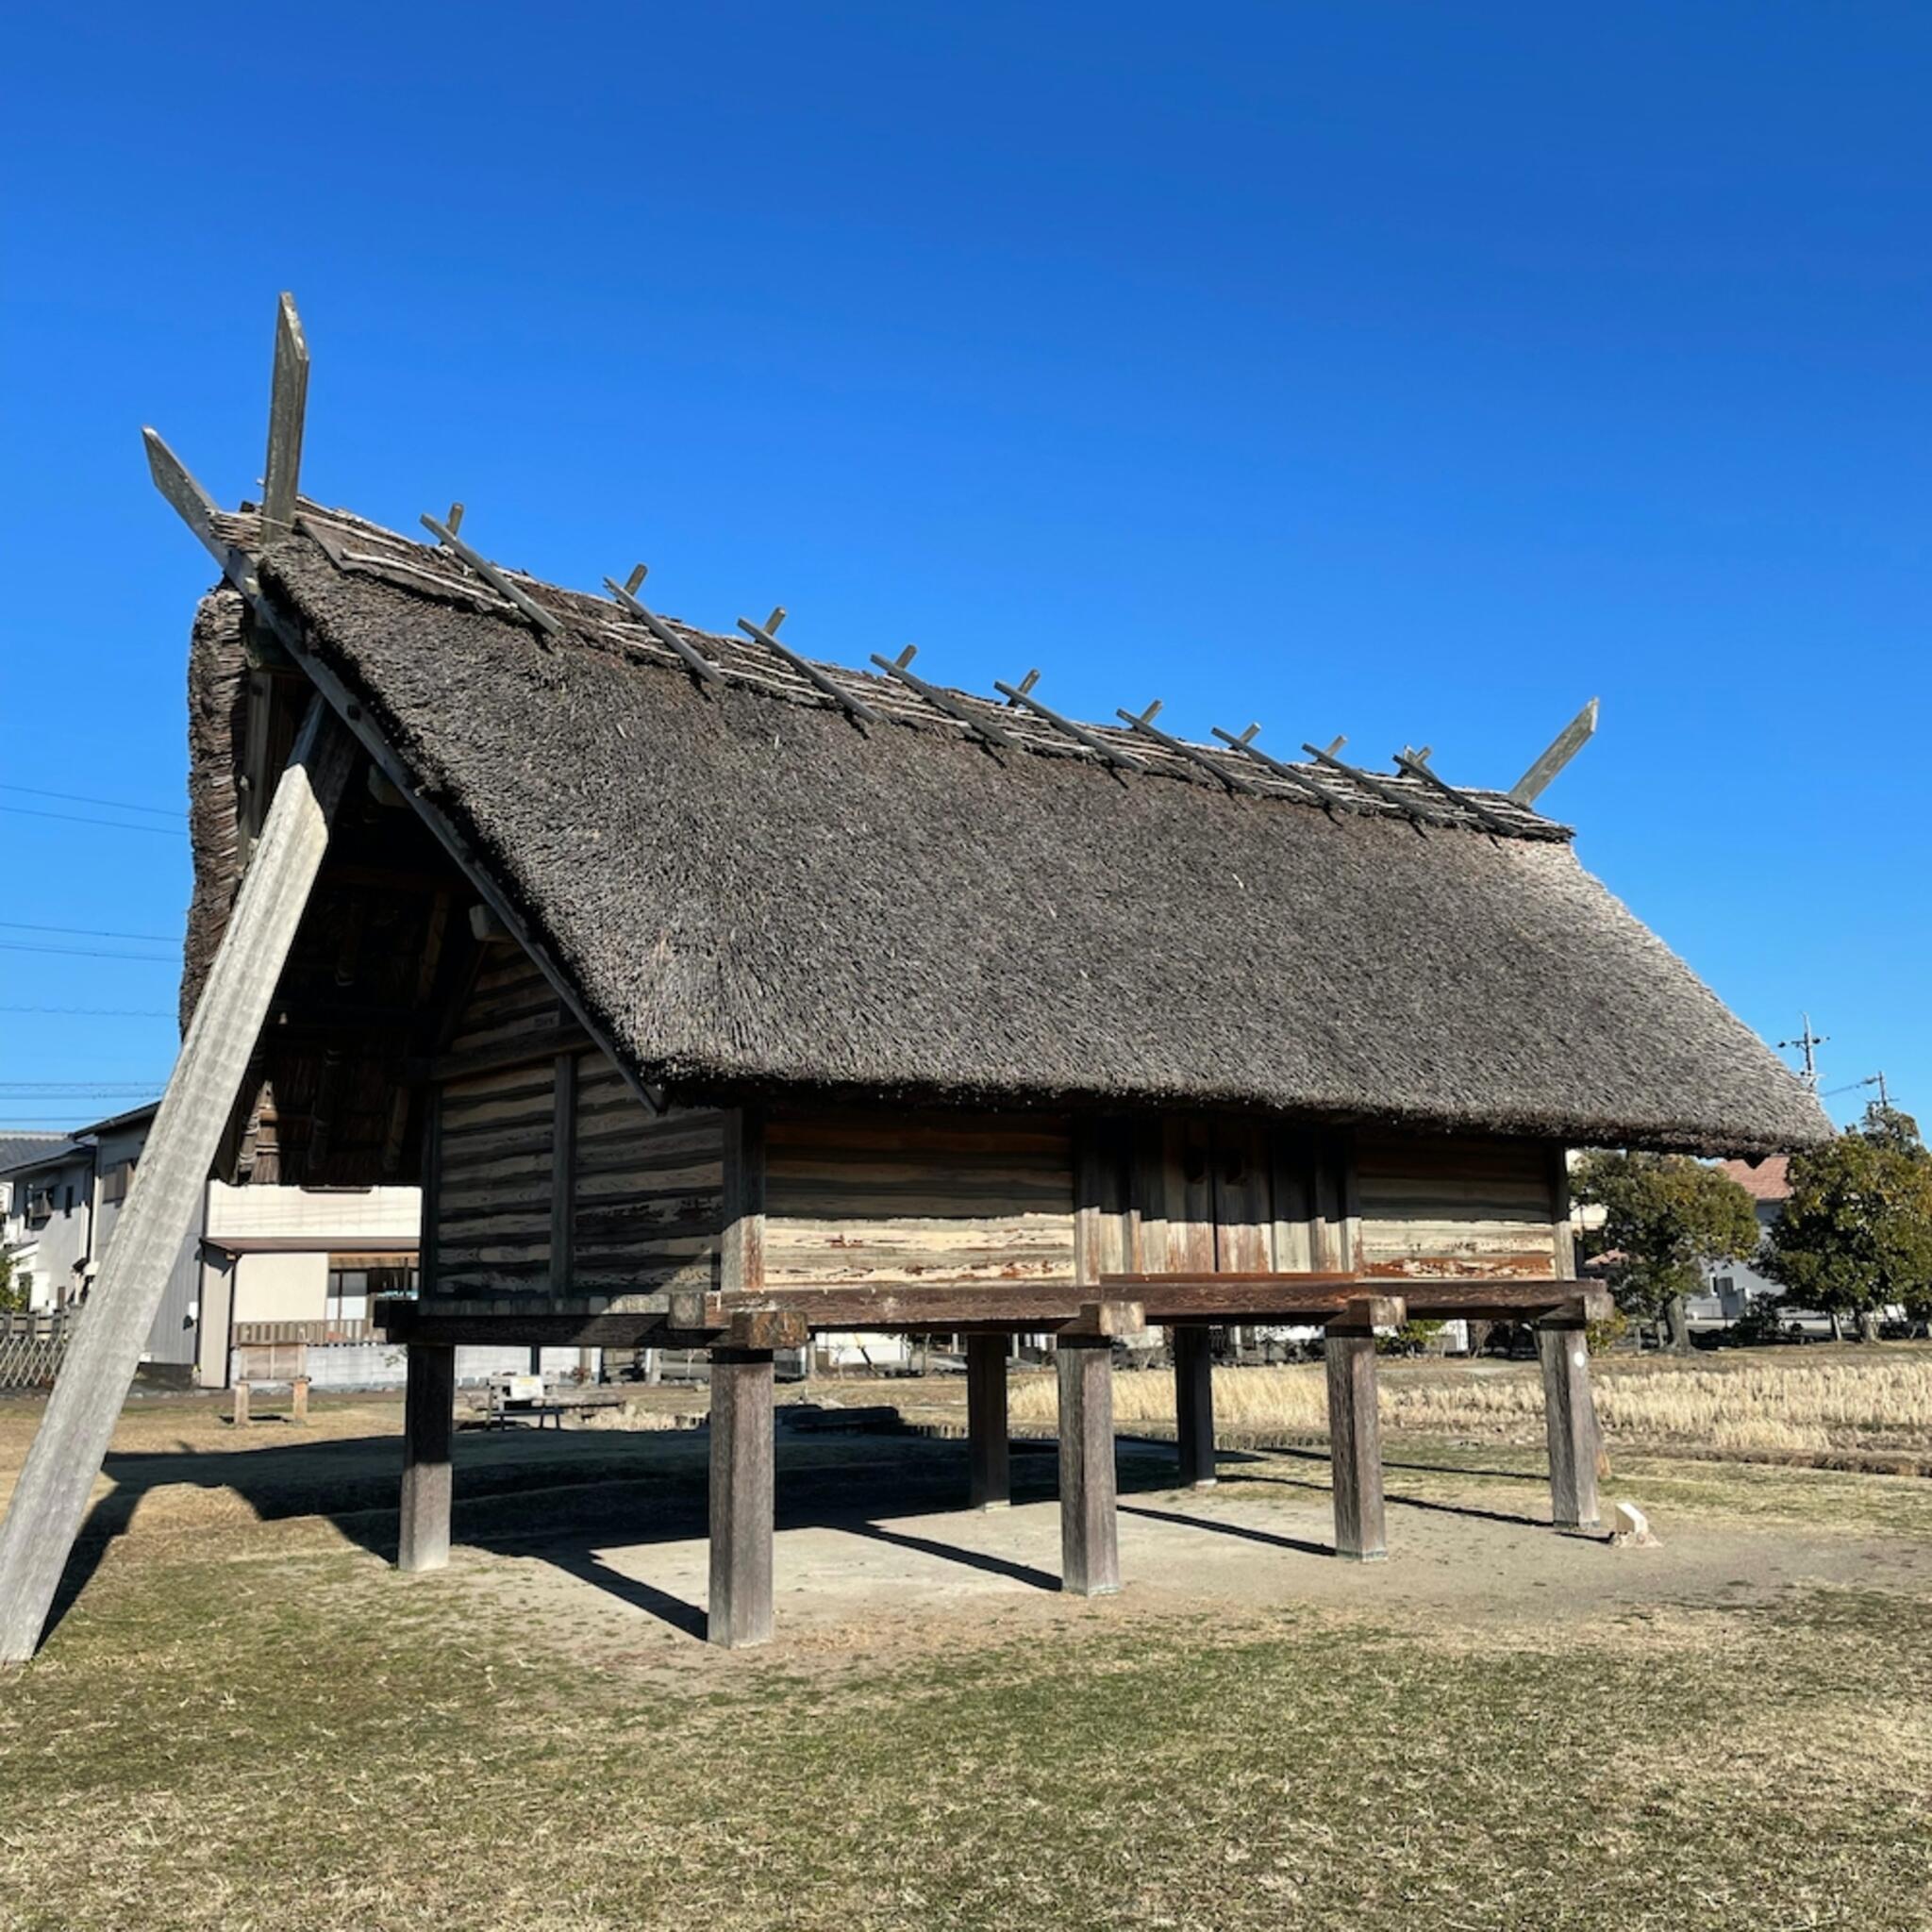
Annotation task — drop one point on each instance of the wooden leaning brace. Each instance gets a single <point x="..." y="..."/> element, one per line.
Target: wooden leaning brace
<point x="51" y="1499"/>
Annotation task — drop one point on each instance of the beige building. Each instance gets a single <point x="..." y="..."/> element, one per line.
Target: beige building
<point x="301" y="1262"/>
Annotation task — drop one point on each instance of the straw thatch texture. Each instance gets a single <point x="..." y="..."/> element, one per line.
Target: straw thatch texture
<point x="751" y="891"/>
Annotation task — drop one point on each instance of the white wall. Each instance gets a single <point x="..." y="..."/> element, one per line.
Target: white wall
<point x="337" y="1216"/>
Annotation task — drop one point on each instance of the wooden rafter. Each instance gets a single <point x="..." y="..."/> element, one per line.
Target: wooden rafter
<point x="851" y="704"/>
<point x="1244" y="742"/>
<point x="1416" y="768"/>
<point x="899" y="667"/>
<point x="1021" y="695"/>
<point x="1143" y="722"/>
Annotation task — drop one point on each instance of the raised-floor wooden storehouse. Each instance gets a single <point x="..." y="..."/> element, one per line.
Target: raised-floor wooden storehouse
<point x="716" y="994"/>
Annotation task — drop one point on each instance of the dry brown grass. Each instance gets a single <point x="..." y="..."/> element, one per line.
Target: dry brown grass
<point x="1795" y="1402"/>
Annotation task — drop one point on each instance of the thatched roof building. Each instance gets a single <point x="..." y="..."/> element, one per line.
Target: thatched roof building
<point x="722" y="998"/>
<point x="749" y="889"/>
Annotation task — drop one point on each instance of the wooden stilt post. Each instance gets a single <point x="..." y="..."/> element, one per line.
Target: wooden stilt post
<point x="51" y="1497"/>
<point x="1090" y="1539"/>
<point x="298" y="1399"/>
<point x="240" y="1417"/>
<point x="1569" y="1420"/>
<point x="1355" y="1428"/>
<point x="1193" y="1404"/>
<point x="429" y="1403"/>
<point x="991" y="1485"/>
<point x="742" y="1497"/>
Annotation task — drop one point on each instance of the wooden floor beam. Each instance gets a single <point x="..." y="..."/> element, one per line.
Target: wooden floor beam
<point x="1090" y="1534"/>
<point x="1193" y="1404"/>
<point x="1355" y="1437"/>
<point x="1570" y="1422"/>
<point x="51" y="1498"/>
<point x="991" y="1482"/>
<point x="429" y="1402"/>
<point x="742" y="1497"/>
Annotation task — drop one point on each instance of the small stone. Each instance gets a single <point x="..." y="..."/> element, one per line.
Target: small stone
<point x="1632" y="1527"/>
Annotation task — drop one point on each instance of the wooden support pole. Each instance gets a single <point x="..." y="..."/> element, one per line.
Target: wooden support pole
<point x="1090" y="1536"/>
<point x="298" y="1399"/>
<point x="239" y="1415"/>
<point x="990" y="1486"/>
<point x="742" y="1497"/>
<point x="51" y="1498"/>
<point x="1569" y="1420"/>
<point x="429" y="1404"/>
<point x="1355" y="1436"/>
<point x="1193" y="1404"/>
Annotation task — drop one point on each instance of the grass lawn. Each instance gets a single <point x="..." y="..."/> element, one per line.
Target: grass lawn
<point x="246" y="1720"/>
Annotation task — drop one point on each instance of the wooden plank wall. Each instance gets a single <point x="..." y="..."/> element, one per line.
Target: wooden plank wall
<point x="491" y="1232"/>
<point x="1482" y="1207"/>
<point x="622" y="1200"/>
<point x="1236" y="1195"/>
<point x="910" y="1197"/>
<point x="649" y="1193"/>
<point x="619" y="1201"/>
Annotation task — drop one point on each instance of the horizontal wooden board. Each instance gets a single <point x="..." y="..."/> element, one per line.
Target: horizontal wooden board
<point x="880" y="1198"/>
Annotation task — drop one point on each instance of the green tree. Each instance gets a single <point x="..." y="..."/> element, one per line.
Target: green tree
<point x="1856" y="1236"/>
<point x="12" y="1299"/>
<point x="1665" y="1216"/>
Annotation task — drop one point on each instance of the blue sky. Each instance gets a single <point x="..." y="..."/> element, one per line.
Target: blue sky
<point x="1403" y="370"/>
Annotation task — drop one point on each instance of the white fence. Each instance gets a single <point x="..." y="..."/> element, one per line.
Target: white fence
<point x="32" y="1347"/>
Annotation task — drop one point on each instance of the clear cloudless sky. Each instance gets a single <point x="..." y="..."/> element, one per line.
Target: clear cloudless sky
<point x="1407" y="370"/>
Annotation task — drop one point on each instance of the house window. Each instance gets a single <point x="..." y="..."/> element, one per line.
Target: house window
<point x="351" y="1290"/>
<point x="118" y="1180"/>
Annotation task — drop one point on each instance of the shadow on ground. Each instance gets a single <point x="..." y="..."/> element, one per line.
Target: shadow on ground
<point x="560" y="1496"/>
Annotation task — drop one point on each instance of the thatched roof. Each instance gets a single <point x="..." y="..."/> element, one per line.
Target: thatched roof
<point x="750" y="890"/>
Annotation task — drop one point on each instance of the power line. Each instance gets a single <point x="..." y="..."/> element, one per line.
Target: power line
<point x="52" y="1089"/>
<point x="86" y="953"/>
<point x="75" y="818"/>
<point x="88" y="932"/>
<point x="161" y="812"/>
<point x="100" y="1013"/>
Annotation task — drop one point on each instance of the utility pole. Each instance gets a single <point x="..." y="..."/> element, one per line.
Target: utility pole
<point x="1809" y="1042"/>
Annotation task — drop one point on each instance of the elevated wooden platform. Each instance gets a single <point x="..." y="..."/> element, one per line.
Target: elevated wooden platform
<point x="691" y="1318"/>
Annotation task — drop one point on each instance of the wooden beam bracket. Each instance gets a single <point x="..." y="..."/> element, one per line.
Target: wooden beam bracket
<point x="1143" y="722"/>
<point x="694" y="661"/>
<point x="547" y="620"/>
<point x="1388" y="793"/>
<point x="942" y="700"/>
<point x="853" y="706"/>
<point x="1104" y="1321"/>
<point x="1020" y="694"/>
<point x="1418" y="768"/>
<point x="1364" y="1314"/>
<point x="1313" y="788"/>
